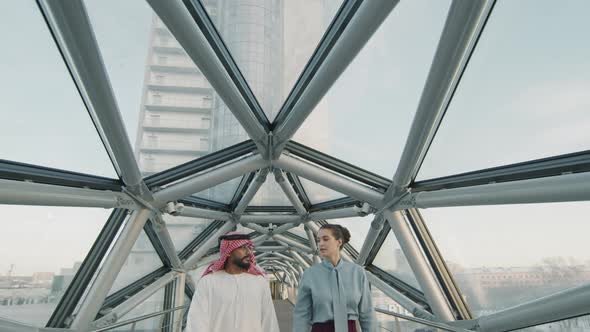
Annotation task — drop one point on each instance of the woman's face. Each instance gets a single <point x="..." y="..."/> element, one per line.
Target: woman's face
<point x="328" y="244"/>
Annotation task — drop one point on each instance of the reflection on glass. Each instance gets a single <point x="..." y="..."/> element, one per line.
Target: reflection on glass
<point x="142" y="260"/>
<point x="524" y="94"/>
<point x="184" y="229"/>
<point x="318" y="193"/>
<point x="44" y="121"/>
<point x="39" y="256"/>
<point x="358" y="228"/>
<point x="391" y="259"/>
<point x="222" y="193"/>
<point x="365" y="117"/>
<point x="502" y="256"/>
<point x="271" y="41"/>
<point x="181" y="117"/>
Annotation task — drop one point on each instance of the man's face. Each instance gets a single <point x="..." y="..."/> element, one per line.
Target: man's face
<point x="241" y="257"/>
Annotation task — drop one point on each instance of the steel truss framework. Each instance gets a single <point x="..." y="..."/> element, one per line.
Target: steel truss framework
<point x="140" y="203"/>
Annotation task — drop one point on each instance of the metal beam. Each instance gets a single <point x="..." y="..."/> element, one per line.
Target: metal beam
<point x="251" y="192"/>
<point x="26" y="193"/>
<point x="206" y="162"/>
<point x="85" y="273"/>
<point x="191" y="262"/>
<point x="311" y="237"/>
<point x="202" y="237"/>
<point x="182" y="25"/>
<point x="299" y="258"/>
<point x="337" y="166"/>
<point x="272" y="248"/>
<point x="178" y="316"/>
<point x="122" y="309"/>
<point x="424" y="275"/>
<point x="364" y="21"/>
<point x="328" y="179"/>
<point x="11" y="170"/>
<point x="289" y="192"/>
<point x="110" y="269"/>
<point x="163" y="235"/>
<point x="563" y="188"/>
<point x="438" y="265"/>
<point x="369" y="243"/>
<point x="187" y="211"/>
<point x="411" y="306"/>
<point x="464" y="24"/>
<point x="563" y="305"/>
<point x="578" y="162"/>
<point x="347" y="212"/>
<point x="292" y="243"/>
<point x="71" y="28"/>
<point x="208" y="179"/>
<point x="270" y="218"/>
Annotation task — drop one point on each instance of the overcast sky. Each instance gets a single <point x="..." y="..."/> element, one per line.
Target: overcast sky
<point x="524" y="96"/>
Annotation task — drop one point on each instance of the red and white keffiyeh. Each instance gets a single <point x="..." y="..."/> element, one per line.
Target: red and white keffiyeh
<point x="225" y="250"/>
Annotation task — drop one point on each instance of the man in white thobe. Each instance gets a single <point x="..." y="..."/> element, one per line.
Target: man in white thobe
<point x="233" y="294"/>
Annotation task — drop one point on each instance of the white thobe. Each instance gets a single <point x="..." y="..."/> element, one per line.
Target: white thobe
<point x="226" y="302"/>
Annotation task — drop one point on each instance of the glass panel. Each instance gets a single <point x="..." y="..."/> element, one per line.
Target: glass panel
<point x="154" y="303"/>
<point x="44" y="120"/>
<point x="222" y="193"/>
<point x="142" y="260"/>
<point x="358" y="228"/>
<point x="509" y="254"/>
<point x="180" y="116"/>
<point x="388" y="322"/>
<point x="299" y="231"/>
<point x="318" y="193"/>
<point x="184" y="229"/>
<point x="365" y="117"/>
<point x="270" y="194"/>
<point x="525" y="93"/>
<point x="392" y="260"/>
<point x="578" y="324"/>
<point x="271" y="41"/>
<point x="39" y="256"/>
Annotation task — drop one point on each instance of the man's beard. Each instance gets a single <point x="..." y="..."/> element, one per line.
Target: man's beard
<point x="240" y="262"/>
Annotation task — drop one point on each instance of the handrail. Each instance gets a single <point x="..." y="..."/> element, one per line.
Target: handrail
<point x="441" y="326"/>
<point x="140" y="318"/>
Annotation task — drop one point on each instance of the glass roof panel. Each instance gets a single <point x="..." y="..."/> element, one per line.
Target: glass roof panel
<point x="365" y="117"/>
<point x="358" y="228"/>
<point x="141" y="261"/>
<point x="524" y="94"/>
<point x="318" y="193"/>
<point x="44" y="120"/>
<point x="392" y="260"/>
<point x="270" y="194"/>
<point x="222" y="193"/>
<point x="171" y="112"/>
<point x="154" y="303"/>
<point x="39" y="256"/>
<point x="504" y="255"/>
<point x="184" y="229"/>
<point x="271" y="41"/>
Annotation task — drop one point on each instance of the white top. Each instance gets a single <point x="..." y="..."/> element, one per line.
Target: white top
<point x="226" y="302"/>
